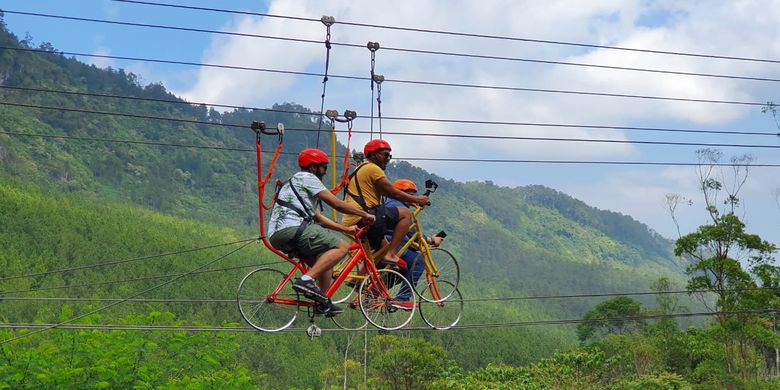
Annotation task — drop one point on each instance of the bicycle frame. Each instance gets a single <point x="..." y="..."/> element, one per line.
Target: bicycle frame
<point x="431" y="271"/>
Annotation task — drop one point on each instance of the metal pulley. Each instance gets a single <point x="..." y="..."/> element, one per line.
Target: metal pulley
<point x="327" y="20"/>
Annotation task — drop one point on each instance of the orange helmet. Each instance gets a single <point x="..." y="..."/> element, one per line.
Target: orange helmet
<point x="312" y="156"/>
<point x="405" y="185"/>
<point x="374" y="145"/>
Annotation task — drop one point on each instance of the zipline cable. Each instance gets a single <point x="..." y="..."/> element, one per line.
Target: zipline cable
<point x="486" y="299"/>
<point x="122" y="261"/>
<point x="462" y="34"/>
<point x="587" y="140"/>
<point x="399" y="81"/>
<point x="413" y="119"/>
<point x="417" y="51"/>
<point x="516" y="324"/>
<point x="131" y="280"/>
<point x="142" y="292"/>
<point x="565" y="162"/>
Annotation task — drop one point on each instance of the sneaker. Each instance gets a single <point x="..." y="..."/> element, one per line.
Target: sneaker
<point x="403" y="305"/>
<point x="328" y="309"/>
<point x="310" y="290"/>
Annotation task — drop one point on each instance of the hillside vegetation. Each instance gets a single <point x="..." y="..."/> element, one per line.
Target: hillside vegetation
<point x="77" y="201"/>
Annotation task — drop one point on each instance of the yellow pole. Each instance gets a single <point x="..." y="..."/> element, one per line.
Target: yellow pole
<point x="333" y="161"/>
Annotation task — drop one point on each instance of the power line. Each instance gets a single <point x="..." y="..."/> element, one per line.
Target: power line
<point x="587" y="140"/>
<point x="461" y="34"/>
<point x="445" y="120"/>
<point x="391" y="80"/>
<point x="131" y="280"/>
<point x="487" y="299"/>
<point x="417" y="51"/>
<point x="91" y="312"/>
<point x="518" y="161"/>
<point x="122" y="261"/>
<point x="515" y="324"/>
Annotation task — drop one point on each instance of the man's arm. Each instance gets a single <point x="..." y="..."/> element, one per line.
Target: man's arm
<point x="387" y="189"/>
<point x="330" y="224"/>
<point x="344" y="207"/>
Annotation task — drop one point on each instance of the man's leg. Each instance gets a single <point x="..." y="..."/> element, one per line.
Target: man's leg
<point x="321" y="271"/>
<point x="416" y="266"/>
<point x="399" y="233"/>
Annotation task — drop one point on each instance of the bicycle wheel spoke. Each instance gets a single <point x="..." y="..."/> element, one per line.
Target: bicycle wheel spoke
<point x="377" y="297"/>
<point x="443" y="314"/>
<point x="253" y="303"/>
<point x="428" y="288"/>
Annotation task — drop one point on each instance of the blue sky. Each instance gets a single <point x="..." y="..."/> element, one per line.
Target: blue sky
<point x="744" y="28"/>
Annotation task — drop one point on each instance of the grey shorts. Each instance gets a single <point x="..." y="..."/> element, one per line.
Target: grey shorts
<point x="314" y="240"/>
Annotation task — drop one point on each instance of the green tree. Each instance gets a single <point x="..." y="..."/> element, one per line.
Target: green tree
<point x="400" y="363"/>
<point x="614" y="316"/>
<point x="714" y="251"/>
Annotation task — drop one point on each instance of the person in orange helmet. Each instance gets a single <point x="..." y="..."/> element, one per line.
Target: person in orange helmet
<point x="292" y="228"/>
<point x="411" y="256"/>
<point x="367" y="185"/>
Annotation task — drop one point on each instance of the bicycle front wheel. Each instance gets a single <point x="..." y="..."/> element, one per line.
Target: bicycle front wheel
<point x="378" y="302"/>
<point x="260" y="308"/>
<point x="428" y="288"/>
<point x="444" y="314"/>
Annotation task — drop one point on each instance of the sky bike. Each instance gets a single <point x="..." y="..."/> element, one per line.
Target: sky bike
<point x="440" y="303"/>
<point x="268" y="303"/>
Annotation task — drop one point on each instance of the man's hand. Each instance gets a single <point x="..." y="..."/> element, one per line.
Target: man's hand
<point x="422" y="200"/>
<point x="368" y="219"/>
<point x="436" y="241"/>
<point x="351" y="230"/>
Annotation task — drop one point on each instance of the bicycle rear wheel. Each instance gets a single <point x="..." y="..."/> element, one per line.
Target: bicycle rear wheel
<point x="444" y="314"/>
<point x="378" y="303"/>
<point x="428" y="287"/>
<point x="258" y="308"/>
<point x="352" y="318"/>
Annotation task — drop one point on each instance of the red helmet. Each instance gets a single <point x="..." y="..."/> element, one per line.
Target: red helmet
<point x="405" y="185"/>
<point x="312" y="156"/>
<point x="374" y="145"/>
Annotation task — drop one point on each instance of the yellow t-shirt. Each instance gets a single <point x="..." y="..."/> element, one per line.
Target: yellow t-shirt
<point x="368" y="176"/>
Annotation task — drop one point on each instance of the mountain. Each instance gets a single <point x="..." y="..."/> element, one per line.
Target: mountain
<point x="117" y="186"/>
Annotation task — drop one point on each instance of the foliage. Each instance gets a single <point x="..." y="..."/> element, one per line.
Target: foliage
<point x="124" y="359"/>
<point x="614" y="316"/>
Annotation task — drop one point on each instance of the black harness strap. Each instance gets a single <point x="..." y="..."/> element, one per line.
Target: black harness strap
<point x="306" y="214"/>
<point x="359" y="197"/>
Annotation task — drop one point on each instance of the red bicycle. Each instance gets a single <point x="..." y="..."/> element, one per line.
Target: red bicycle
<point x="267" y="301"/>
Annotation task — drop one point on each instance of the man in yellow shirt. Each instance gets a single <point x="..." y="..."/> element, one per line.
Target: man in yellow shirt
<point x="367" y="185"/>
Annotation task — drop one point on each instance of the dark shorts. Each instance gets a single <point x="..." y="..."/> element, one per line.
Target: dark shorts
<point x="386" y="218"/>
<point x="313" y="242"/>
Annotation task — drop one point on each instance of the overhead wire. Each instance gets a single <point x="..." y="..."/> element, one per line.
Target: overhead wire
<point x="483" y="299"/>
<point x="396" y="118"/>
<point x="552" y="139"/>
<point x="399" y="81"/>
<point x="122" y="261"/>
<point x="442" y="159"/>
<point x="131" y="280"/>
<point x="407" y="50"/>
<point x="460" y="33"/>
<point x="514" y="324"/>
<point x="112" y="304"/>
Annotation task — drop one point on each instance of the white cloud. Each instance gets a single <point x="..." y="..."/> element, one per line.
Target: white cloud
<point x="743" y="28"/>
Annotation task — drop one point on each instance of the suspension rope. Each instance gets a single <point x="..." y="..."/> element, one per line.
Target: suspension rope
<point x="327" y="21"/>
<point x="378" y="79"/>
<point x="372" y="48"/>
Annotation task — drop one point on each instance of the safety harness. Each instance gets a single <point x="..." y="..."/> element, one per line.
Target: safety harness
<point x="359" y="196"/>
<point x="306" y="214"/>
